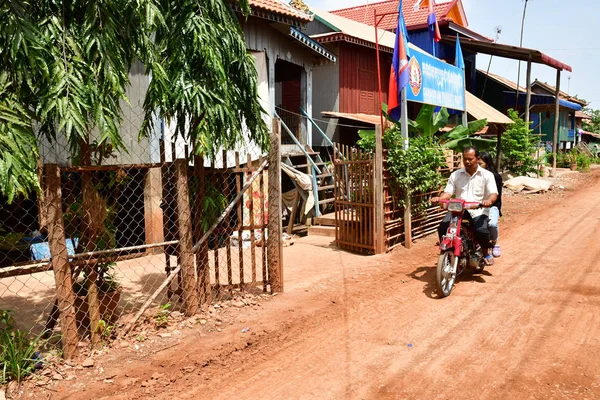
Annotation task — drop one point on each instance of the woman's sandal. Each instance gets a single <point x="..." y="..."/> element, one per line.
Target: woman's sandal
<point x="488" y="260"/>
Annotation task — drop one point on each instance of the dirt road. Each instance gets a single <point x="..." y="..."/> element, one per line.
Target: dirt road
<point x="528" y="327"/>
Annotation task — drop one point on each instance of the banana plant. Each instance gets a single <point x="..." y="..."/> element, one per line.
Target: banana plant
<point x="463" y="136"/>
<point x="428" y="123"/>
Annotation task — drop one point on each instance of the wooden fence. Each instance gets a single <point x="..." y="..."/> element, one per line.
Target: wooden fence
<point x="354" y="204"/>
<point x="369" y="211"/>
<point x="187" y="241"/>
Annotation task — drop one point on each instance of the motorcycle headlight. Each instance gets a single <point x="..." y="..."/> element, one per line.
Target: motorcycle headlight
<point x="455" y="206"/>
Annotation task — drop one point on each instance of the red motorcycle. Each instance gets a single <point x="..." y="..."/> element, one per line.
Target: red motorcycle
<point x="459" y="249"/>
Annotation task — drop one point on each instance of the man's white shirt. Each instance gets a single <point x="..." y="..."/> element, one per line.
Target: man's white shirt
<point x="475" y="188"/>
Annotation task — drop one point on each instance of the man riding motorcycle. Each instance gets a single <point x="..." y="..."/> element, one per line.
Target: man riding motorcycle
<point x="475" y="184"/>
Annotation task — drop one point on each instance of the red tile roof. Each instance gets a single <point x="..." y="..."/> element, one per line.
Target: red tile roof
<point x="412" y="18"/>
<point x="278" y="7"/>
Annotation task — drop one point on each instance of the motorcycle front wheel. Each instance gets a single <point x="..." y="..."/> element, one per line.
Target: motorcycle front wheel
<point x="445" y="276"/>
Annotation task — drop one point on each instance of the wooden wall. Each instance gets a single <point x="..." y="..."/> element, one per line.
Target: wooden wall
<point x="359" y="91"/>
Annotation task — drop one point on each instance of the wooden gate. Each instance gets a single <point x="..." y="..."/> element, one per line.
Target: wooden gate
<point x="354" y="199"/>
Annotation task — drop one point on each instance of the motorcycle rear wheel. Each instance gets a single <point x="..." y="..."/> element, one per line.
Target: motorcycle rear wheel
<point x="445" y="277"/>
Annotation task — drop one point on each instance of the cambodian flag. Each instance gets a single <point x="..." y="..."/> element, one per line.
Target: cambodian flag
<point x="434" y="29"/>
<point x="399" y="73"/>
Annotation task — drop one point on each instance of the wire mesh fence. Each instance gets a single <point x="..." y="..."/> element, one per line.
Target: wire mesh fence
<point x="115" y="233"/>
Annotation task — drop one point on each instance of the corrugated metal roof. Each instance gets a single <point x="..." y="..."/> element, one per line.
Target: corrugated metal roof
<point x="480" y="110"/>
<point x="542" y="99"/>
<point x="281" y="8"/>
<point x="311" y="44"/>
<point x="503" y="81"/>
<point x="356" y="30"/>
<point x="552" y="90"/>
<point x="366" y="118"/>
<point x="508" y="51"/>
<point x="364" y="13"/>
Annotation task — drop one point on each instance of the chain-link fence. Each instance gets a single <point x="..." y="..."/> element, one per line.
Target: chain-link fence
<point x="115" y="233"/>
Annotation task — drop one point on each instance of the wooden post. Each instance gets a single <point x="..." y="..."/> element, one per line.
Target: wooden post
<point x="251" y="224"/>
<point x="202" y="263"/>
<point x="240" y="217"/>
<point x="153" y="214"/>
<point x="93" y="220"/>
<point x="184" y="225"/>
<point x="407" y="222"/>
<point x="499" y="149"/>
<point x="60" y="262"/>
<point x="528" y="97"/>
<point x="378" y="191"/>
<point x="274" y="245"/>
<point x="556" y="121"/>
<point x="40" y="199"/>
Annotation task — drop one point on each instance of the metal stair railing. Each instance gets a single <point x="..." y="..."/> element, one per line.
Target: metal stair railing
<point x="315" y="169"/>
<point x="328" y="141"/>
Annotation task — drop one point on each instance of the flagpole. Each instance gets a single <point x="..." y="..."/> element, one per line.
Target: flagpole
<point x="404" y="117"/>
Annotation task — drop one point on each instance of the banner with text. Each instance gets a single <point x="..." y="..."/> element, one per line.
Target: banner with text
<point x="432" y="81"/>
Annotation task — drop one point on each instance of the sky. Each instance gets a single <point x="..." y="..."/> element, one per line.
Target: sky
<point x="563" y="29"/>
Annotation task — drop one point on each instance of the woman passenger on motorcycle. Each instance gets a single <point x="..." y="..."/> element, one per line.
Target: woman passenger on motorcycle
<point x="486" y="161"/>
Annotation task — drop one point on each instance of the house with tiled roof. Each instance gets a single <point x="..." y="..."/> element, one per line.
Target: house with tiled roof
<point x="415" y="13"/>
<point x="348" y="90"/>
<point x="451" y="17"/>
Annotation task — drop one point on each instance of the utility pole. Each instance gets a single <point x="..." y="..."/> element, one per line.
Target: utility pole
<point x="520" y="45"/>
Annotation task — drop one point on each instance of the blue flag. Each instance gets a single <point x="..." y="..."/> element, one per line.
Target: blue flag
<point x="459" y="60"/>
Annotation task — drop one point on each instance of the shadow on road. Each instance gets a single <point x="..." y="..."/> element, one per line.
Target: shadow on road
<point x="427" y="274"/>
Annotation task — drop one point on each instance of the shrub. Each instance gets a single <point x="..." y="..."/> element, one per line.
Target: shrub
<point x="18" y="354"/>
<point x="583" y="162"/>
<point x="518" y="146"/>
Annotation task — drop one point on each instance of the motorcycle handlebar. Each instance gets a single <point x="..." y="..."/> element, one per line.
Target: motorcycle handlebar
<point x="468" y="205"/>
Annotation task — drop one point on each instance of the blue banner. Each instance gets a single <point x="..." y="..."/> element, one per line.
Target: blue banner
<point x="432" y="81"/>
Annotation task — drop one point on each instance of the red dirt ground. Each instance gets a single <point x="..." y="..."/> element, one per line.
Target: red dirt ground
<point x="373" y="327"/>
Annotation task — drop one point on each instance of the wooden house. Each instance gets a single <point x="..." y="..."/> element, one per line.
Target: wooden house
<point x="452" y="21"/>
<point x="503" y="94"/>
<point x="348" y="90"/>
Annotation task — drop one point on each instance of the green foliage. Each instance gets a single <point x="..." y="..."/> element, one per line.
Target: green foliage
<point x="564" y="159"/>
<point x="462" y="136"/>
<point x="583" y="162"/>
<point x="593" y="125"/>
<point x="17" y="352"/>
<point x="416" y="170"/>
<point x="18" y="148"/>
<point x="518" y="146"/>
<point x="428" y="121"/>
<point x="105" y="329"/>
<point x="161" y="318"/>
<point x="203" y="79"/>
<point x="64" y="66"/>
<point x="367" y="140"/>
<point x="213" y="206"/>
